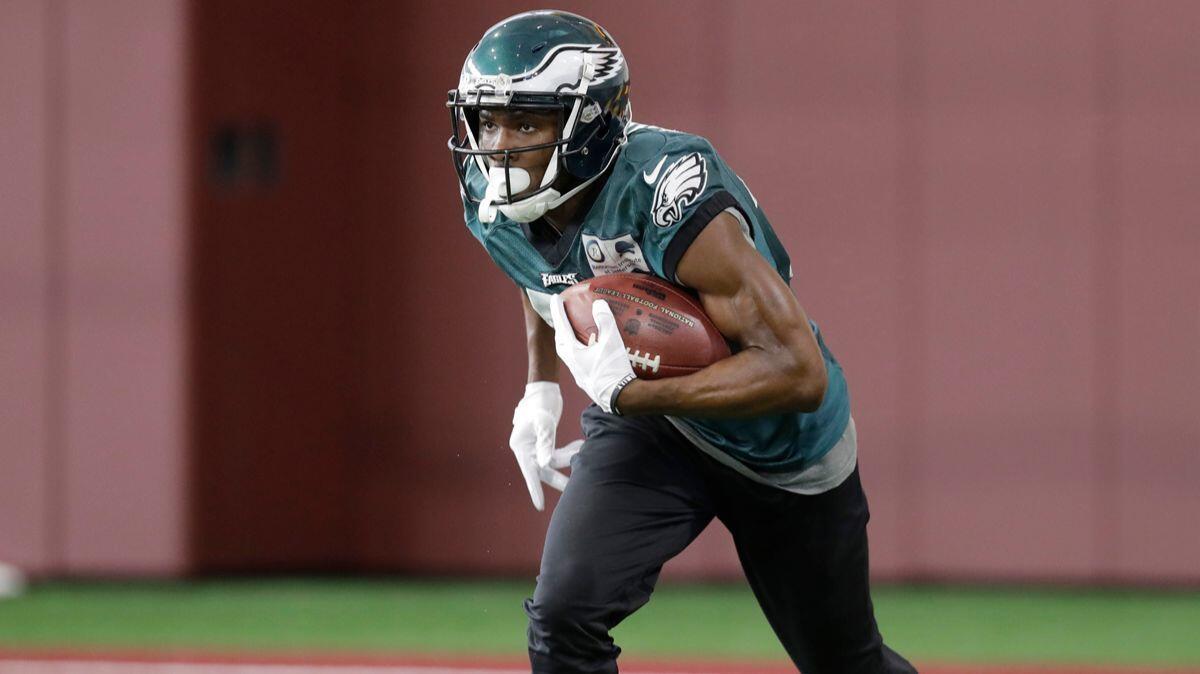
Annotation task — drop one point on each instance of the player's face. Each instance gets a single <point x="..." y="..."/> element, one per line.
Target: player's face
<point x="512" y="129"/>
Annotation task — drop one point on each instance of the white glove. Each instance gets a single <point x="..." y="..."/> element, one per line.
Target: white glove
<point x="534" y="423"/>
<point x="601" y="367"/>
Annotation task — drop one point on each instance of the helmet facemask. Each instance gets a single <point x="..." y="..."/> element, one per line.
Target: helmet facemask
<point x="507" y="185"/>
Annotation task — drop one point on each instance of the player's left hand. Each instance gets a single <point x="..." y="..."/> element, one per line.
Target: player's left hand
<point x="601" y="367"/>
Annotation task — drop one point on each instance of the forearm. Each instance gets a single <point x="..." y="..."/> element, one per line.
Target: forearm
<point x="539" y="343"/>
<point x="779" y="368"/>
<point x="750" y="383"/>
<point x="543" y="362"/>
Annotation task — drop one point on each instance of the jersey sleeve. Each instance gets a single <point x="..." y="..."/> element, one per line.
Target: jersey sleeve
<point x="681" y="191"/>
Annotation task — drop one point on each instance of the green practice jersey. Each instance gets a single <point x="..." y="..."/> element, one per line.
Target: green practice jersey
<point x="661" y="191"/>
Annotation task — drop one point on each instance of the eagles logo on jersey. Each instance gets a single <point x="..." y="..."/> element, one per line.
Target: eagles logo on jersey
<point x="680" y="186"/>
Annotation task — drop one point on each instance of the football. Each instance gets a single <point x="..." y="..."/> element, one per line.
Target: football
<point x="664" y="327"/>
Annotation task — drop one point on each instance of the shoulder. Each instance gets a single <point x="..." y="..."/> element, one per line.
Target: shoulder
<point x="656" y="162"/>
<point x="649" y="145"/>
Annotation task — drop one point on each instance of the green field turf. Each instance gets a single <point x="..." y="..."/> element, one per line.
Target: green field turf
<point x="928" y="624"/>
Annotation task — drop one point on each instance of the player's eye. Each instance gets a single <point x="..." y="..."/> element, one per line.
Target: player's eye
<point x="528" y="128"/>
<point x="488" y="125"/>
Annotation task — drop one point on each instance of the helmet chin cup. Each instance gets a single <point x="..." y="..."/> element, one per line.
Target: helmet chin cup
<point x="532" y="208"/>
<point x="498" y="186"/>
<point x="520" y="210"/>
<point x="528" y="210"/>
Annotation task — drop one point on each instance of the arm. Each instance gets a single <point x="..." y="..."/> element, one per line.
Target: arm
<point x="539" y="339"/>
<point x="780" y="367"/>
<point x="535" y="421"/>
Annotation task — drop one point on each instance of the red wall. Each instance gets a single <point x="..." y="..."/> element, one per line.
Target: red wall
<point x="277" y="290"/>
<point x="990" y="208"/>
<point x="25" y="313"/>
<point x="92" y="309"/>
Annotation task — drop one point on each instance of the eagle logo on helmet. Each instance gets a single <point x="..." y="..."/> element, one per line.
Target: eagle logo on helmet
<point x="563" y="63"/>
<point x="681" y="184"/>
<point x="607" y="61"/>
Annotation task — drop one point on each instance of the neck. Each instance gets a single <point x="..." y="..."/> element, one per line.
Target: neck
<point x="572" y="210"/>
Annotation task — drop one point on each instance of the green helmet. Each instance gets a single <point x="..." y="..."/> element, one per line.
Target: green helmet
<point x="542" y="60"/>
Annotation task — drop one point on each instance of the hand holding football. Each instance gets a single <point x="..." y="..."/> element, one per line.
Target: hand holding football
<point x="664" y="327"/>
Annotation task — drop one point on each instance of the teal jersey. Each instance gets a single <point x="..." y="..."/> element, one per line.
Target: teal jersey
<point x="660" y="192"/>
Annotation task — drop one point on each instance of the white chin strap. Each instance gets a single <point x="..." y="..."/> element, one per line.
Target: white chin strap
<point x="524" y="210"/>
<point x="528" y="210"/>
<point x="498" y="189"/>
<point x="534" y="207"/>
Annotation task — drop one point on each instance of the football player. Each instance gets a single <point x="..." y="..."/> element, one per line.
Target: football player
<point x="559" y="185"/>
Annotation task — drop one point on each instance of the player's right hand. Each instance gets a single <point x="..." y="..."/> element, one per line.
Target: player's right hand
<point x="535" y="422"/>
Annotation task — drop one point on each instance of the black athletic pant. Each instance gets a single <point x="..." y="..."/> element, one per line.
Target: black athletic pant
<point x="639" y="493"/>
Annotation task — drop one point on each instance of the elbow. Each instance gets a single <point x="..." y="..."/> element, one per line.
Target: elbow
<point x="811" y="397"/>
<point x="806" y="390"/>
